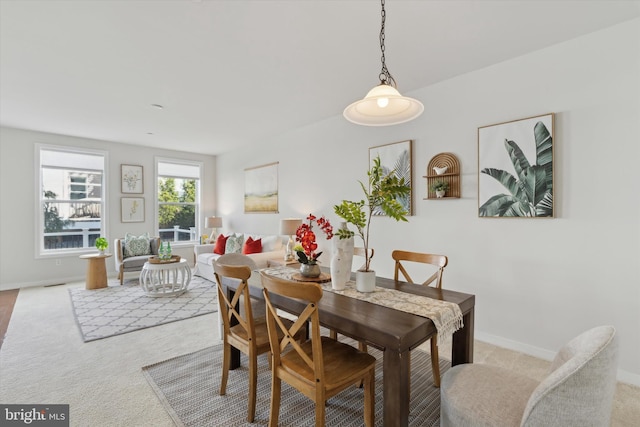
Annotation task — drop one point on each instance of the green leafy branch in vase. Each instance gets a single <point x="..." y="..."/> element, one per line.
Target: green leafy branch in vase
<point x="383" y="193"/>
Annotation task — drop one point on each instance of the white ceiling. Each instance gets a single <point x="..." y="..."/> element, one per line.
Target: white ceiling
<point x="232" y="73"/>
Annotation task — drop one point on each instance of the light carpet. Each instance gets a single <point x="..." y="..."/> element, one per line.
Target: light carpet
<point x="119" y="309"/>
<point x="188" y="388"/>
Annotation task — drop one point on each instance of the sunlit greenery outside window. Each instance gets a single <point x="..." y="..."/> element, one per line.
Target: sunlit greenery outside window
<point x="70" y="192"/>
<point x="178" y="190"/>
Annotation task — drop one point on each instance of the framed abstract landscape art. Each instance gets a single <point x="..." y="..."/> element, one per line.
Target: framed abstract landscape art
<point x="261" y="189"/>
<point x="515" y="164"/>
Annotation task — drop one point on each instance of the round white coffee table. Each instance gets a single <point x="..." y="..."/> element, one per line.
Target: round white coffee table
<point x="165" y="279"/>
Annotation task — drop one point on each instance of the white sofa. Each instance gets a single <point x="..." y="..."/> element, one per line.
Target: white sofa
<point x="272" y="248"/>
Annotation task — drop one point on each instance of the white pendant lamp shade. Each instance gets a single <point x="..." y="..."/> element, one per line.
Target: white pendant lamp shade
<point x="383" y="106"/>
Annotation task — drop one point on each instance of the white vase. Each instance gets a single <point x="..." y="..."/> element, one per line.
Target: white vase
<point x="338" y="280"/>
<point x="347" y="248"/>
<point x="440" y="194"/>
<point x="365" y="281"/>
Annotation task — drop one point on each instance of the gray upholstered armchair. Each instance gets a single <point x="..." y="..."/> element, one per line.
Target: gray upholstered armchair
<point x="577" y="392"/>
<point x="125" y="264"/>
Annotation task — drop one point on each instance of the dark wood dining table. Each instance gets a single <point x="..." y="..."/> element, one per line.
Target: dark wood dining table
<point x="394" y="332"/>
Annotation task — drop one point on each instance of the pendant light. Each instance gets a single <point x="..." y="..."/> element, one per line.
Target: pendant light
<point x="383" y="105"/>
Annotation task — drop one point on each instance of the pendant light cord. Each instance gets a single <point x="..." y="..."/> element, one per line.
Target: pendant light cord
<point x="385" y="75"/>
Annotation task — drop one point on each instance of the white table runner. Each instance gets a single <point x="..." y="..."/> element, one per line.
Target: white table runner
<point x="446" y="316"/>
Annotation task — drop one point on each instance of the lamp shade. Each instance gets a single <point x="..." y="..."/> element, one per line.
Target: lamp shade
<point x="288" y="226"/>
<point x="383" y="106"/>
<point x="213" y="222"/>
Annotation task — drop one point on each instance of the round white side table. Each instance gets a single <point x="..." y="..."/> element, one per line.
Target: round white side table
<point x="165" y="279"/>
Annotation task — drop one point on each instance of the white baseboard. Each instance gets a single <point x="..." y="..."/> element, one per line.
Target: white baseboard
<point x="515" y="345"/>
<point x="50" y="282"/>
<point x="628" y="378"/>
<point x="47" y="282"/>
<point x="541" y="353"/>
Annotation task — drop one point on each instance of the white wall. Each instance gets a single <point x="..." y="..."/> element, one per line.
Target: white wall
<point x="538" y="282"/>
<point x="19" y="266"/>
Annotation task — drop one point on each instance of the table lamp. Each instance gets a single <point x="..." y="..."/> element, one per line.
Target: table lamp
<point x="288" y="227"/>
<point x="213" y="222"/>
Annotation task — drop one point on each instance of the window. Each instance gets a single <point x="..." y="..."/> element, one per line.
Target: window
<point x="178" y="195"/>
<point x="71" y="199"/>
<point x="85" y="186"/>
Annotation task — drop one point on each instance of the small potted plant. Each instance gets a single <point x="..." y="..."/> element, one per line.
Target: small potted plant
<point x="102" y="244"/>
<point x="440" y="187"/>
<point x="306" y="249"/>
<point x="382" y="194"/>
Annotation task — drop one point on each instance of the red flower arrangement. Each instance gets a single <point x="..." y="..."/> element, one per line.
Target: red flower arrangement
<point x="307" y="238"/>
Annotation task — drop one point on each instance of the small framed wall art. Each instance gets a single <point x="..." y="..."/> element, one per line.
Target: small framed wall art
<point x="132" y="209"/>
<point x="261" y="189"/>
<point x="515" y="168"/>
<point x="395" y="157"/>
<point x="131" y="179"/>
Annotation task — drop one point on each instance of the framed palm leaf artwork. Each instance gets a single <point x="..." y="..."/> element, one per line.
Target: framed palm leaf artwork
<point x="515" y="164"/>
<point x="395" y="157"/>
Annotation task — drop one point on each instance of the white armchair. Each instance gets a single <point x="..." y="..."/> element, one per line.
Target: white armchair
<point x="578" y="392"/>
<point x="134" y="263"/>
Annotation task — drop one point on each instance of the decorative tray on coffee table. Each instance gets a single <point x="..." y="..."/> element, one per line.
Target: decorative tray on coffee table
<point x="156" y="260"/>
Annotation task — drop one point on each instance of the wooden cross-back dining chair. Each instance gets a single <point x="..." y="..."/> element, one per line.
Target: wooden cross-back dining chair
<point x="240" y="329"/>
<point x="440" y="262"/>
<point x="257" y="306"/>
<point x="320" y="367"/>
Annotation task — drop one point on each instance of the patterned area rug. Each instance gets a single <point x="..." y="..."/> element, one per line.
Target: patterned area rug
<point x="117" y="309"/>
<point x="188" y="387"/>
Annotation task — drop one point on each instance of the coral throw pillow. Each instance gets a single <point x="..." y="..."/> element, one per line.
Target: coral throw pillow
<point x="221" y="244"/>
<point x="252" y="246"/>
